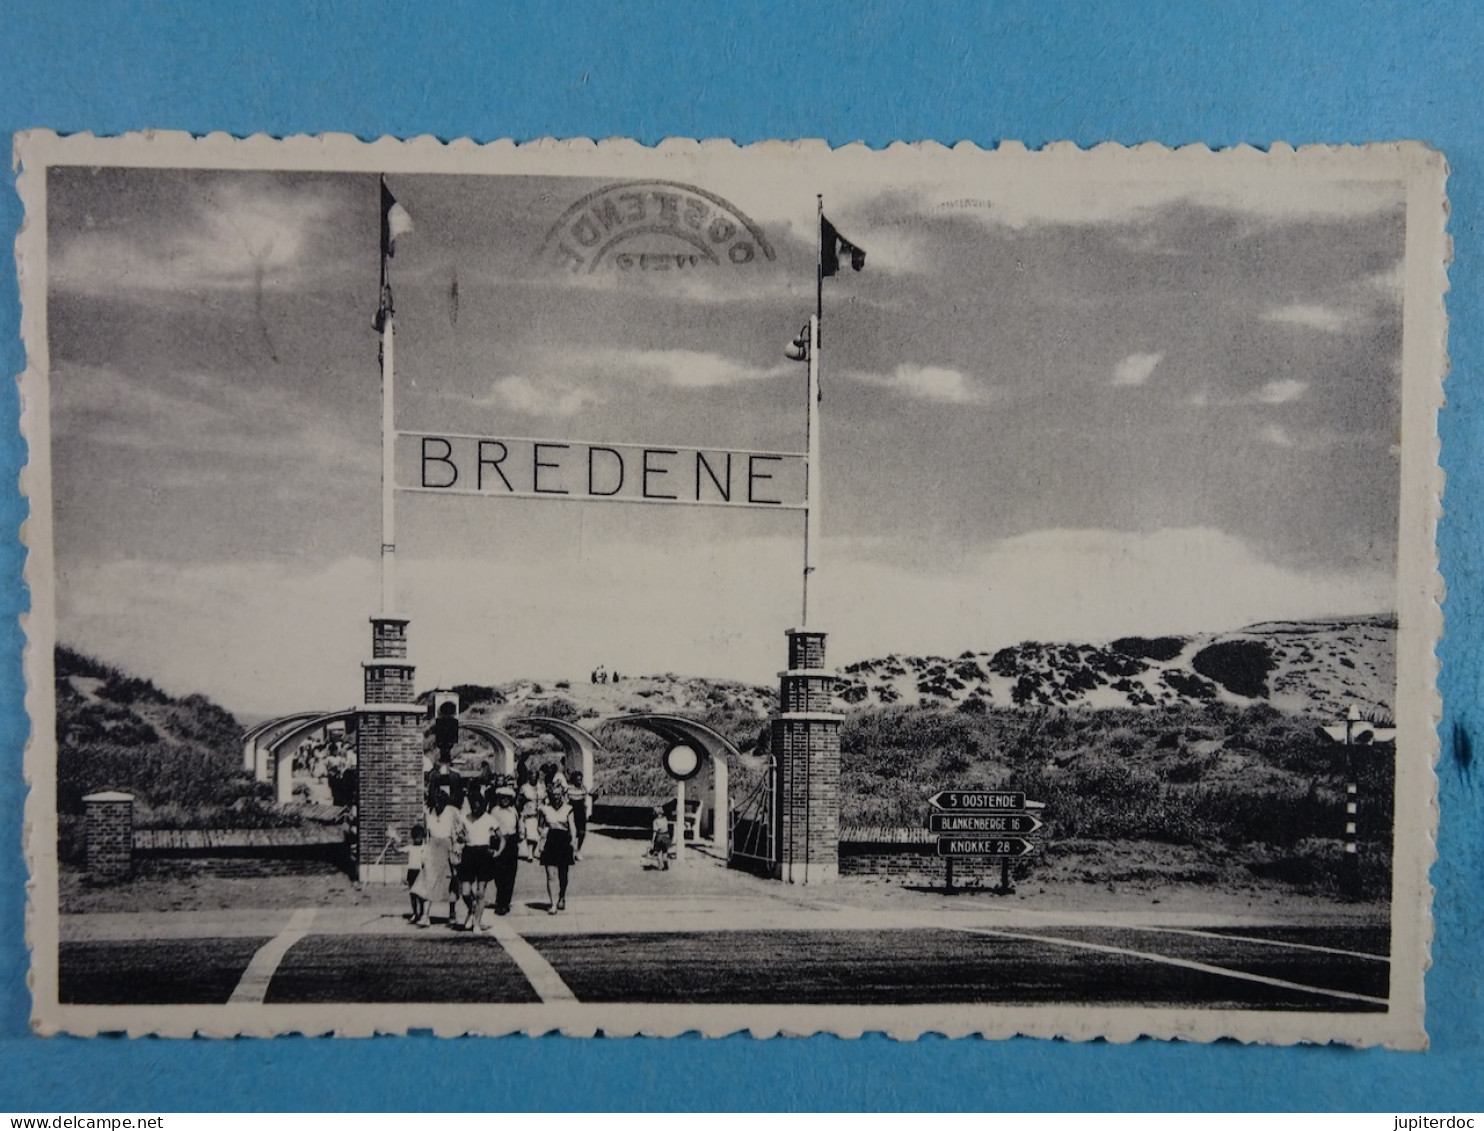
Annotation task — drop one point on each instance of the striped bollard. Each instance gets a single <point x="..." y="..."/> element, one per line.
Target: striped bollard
<point x="1350" y="876"/>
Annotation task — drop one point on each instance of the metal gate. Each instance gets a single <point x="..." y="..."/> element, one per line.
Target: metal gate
<point x="753" y="823"/>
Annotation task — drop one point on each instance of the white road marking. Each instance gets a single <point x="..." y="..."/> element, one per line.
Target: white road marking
<point x="254" y="982"/>
<point x="1168" y="960"/>
<point x="540" y="973"/>
<point x="1268" y="942"/>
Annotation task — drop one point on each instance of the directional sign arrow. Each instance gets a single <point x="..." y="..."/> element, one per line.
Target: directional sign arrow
<point x="1360" y="733"/>
<point x="977" y="801"/>
<point x="984" y="846"/>
<point x="959" y="822"/>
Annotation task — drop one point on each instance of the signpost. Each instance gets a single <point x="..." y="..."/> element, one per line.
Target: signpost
<point x="1006" y="846"/>
<point x="976" y="801"/>
<point x="984" y="824"/>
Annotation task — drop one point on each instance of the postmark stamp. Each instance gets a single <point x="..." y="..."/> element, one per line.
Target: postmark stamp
<point x="1019" y="619"/>
<point x="653" y="226"/>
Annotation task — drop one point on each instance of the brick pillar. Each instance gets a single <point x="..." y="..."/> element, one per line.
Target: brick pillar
<point x="110" y="835"/>
<point x="806" y="753"/>
<point x="389" y="756"/>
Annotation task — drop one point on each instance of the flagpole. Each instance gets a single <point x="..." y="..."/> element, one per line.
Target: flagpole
<point x="388" y="434"/>
<point x="388" y="472"/>
<point x="811" y="466"/>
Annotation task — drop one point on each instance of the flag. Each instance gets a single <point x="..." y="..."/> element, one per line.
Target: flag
<point x="395" y="221"/>
<point x="831" y="245"/>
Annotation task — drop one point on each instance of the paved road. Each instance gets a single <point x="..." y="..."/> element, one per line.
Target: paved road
<point x="708" y="935"/>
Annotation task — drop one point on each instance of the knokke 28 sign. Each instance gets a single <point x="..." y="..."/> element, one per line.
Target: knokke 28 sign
<point x="523" y="467"/>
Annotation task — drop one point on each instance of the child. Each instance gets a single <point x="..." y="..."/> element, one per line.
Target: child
<point x="659" y="847"/>
<point x="414" y="866"/>
<point x="577" y="795"/>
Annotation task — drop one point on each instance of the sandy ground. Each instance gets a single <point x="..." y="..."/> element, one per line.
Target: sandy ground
<point x="613" y="888"/>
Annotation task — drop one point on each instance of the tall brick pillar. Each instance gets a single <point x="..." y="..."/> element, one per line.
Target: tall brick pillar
<point x="806" y="750"/>
<point x="110" y="835"/>
<point x="389" y="756"/>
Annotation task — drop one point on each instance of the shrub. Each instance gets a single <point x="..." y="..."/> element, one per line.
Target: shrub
<point x="1240" y="666"/>
<point x="471" y="693"/>
<point x="561" y="708"/>
<point x="1191" y="686"/>
<point x="1185" y="771"/>
<point x="126" y="691"/>
<point x="1162" y="649"/>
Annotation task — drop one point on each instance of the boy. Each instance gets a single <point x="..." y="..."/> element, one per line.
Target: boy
<point x="659" y="847"/>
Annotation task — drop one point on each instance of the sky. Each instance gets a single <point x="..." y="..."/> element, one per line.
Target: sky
<point x="1066" y="408"/>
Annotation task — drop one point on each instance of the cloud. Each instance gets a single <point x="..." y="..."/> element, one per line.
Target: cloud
<point x="928" y="383"/>
<point x="1136" y="368"/>
<point x="540" y="398"/>
<point x="1276" y="435"/>
<point x="688" y="369"/>
<point x="934" y="383"/>
<point x="1282" y="392"/>
<point x="267" y="637"/>
<point x="674" y="368"/>
<point x="1073" y="197"/>
<point x="1391" y="282"/>
<point x="1312" y="315"/>
<point x="238" y="236"/>
<point x="577" y="379"/>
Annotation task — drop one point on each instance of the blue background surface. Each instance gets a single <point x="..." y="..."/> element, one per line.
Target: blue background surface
<point x="1038" y="72"/>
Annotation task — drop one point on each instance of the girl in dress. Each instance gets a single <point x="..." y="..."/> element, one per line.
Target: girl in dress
<point x="414" y="867"/>
<point x="556" y="848"/>
<point x="444" y="833"/>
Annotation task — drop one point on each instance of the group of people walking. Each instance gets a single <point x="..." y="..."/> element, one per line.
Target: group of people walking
<point x="468" y="843"/>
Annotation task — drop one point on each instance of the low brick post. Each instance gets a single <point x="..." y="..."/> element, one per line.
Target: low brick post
<point x="110" y="835"/>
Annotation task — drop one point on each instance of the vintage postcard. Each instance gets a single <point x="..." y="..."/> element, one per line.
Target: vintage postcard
<point x="593" y="588"/>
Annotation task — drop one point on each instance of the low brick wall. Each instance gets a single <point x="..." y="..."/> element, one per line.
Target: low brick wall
<point x="115" y="850"/>
<point x="307" y="860"/>
<point x="305" y="851"/>
<point x="911" y="856"/>
<point x="214" y="840"/>
<point x="916" y="867"/>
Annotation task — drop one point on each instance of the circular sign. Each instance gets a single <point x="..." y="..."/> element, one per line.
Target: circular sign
<point x="682" y="762"/>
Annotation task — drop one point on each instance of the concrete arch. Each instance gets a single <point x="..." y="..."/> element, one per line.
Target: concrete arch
<point x="281" y="749"/>
<point x="503" y="742"/>
<point x="252" y="738"/>
<point x="718" y="751"/>
<point x="578" y="743"/>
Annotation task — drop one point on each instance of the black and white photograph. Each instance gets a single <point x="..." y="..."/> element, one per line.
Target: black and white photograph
<point x="594" y="588"/>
